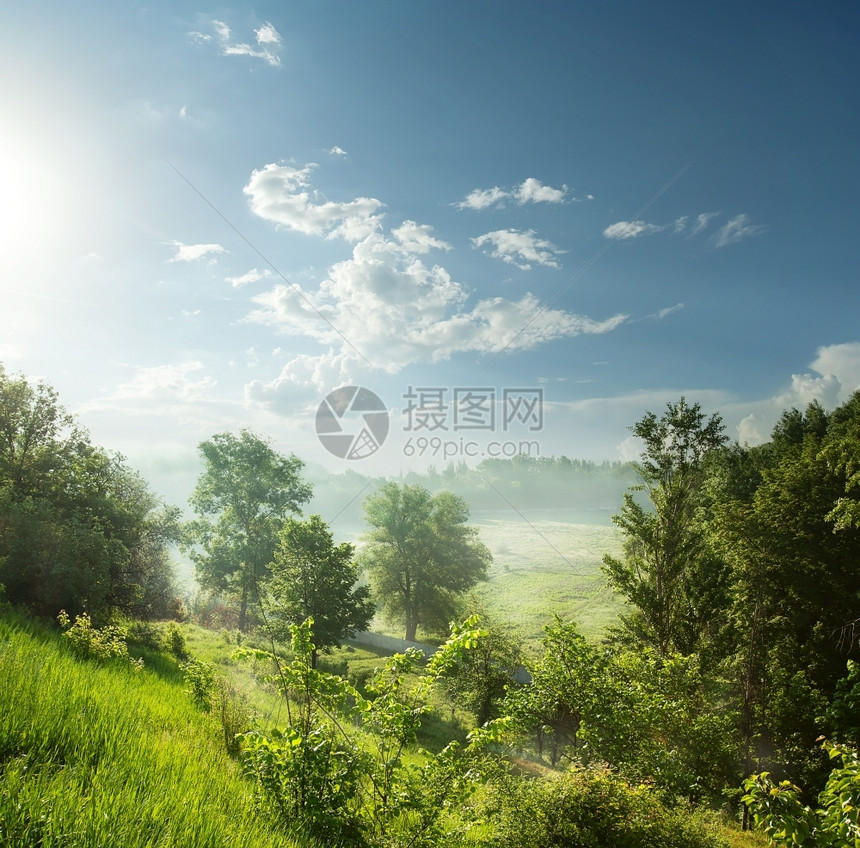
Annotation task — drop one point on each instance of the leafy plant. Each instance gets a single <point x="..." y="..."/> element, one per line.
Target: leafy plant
<point x="90" y="642"/>
<point x="340" y="766"/>
<point x="778" y="810"/>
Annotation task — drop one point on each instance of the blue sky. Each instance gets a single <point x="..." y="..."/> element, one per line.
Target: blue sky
<point x="214" y="216"/>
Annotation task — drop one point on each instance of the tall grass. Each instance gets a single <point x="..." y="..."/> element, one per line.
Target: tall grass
<point x="95" y="755"/>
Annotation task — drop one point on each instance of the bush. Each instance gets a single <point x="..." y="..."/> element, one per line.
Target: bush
<point x="89" y="642"/>
<point x="587" y="808"/>
<point x="835" y="822"/>
<point x="174" y="641"/>
<point x="200" y="683"/>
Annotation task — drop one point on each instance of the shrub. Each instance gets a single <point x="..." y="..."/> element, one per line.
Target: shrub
<point x="90" y="642"/>
<point x="200" y="683"/>
<point x="174" y="640"/>
<point x="587" y="808"/>
<point x="785" y="820"/>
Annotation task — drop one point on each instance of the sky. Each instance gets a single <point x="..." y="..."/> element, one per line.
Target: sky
<point x="520" y="226"/>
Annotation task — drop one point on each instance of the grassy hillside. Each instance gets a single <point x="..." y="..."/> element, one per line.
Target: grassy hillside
<point x="111" y="756"/>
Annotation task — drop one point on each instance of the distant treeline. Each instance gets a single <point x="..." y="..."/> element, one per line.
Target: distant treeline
<point x="520" y="483"/>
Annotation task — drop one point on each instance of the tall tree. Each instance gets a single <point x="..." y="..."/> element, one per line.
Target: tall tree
<point x="421" y="555"/>
<point x="668" y="574"/>
<point x="244" y="494"/>
<point x="314" y="578"/>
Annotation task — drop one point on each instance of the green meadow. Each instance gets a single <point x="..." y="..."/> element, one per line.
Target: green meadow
<point x="547" y="563"/>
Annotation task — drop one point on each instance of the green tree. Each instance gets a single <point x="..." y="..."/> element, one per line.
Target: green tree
<point x="421" y="555"/>
<point x="481" y="678"/>
<point x="794" y="585"/>
<point x="314" y="578"/>
<point x="79" y="530"/>
<point x="668" y="574"/>
<point x="244" y="494"/>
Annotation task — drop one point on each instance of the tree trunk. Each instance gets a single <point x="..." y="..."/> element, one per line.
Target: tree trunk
<point x="243" y="609"/>
<point x="411" y="628"/>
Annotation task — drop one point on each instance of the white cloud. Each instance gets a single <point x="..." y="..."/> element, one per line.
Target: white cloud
<point x="167" y="381"/>
<point x="252" y="276"/>
<point x="387" y="306"/>
<point x="267" y="37"/>
<point x="735" y="230"/>
<point x="732" y="231"/>
<point x="305" y="380"/>
<point x="631" y="229"/>
<point x="267" y="34"/>
<point x="665" y="312"/>
<point x="520" y="248"/>
<point x="843" y="362"/>
<point x="193" y="252"/>
<point x="483" y="198"/>
<point x="278" y="193"/>
<point x="531" y="190"/>
<point x="337" y="151"/>
<point x="702" y="221"/>
<point x="416" y="238"/>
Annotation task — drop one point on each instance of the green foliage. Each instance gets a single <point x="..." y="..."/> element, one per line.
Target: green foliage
<point x="199" y="682"/>
<point x="587" y="807"/>
<point x="654" y="718"/>
<point x="78" y="529"/>
<point x="88" y="642"/>
<point x="421" y="555"/>
<point x="242" y="497"/>
<point x="778" y="810"/>
<point x="340" y="767"/>
<point x="314" y="578"/>
<point x="481" y="678"/>
<point x="174" y="641"/>
<point x="668" y="573"/>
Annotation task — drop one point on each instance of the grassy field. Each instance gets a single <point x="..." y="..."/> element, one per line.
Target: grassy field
<point x="546" y="563"/>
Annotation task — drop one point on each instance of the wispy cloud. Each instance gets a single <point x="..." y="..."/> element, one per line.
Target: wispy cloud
<point x="531" y="190"/>
<point x="337" y="151"/>
<point x="252" y="276"/>
<point x="193" y="252"/>
<point x="167" y="381"/>
<point x="267" y="48"/>
<point x="278" y="193"/>
<point x="737" y="229"/>
<point x="520" y="248"/>
<point x="631" y="229"/>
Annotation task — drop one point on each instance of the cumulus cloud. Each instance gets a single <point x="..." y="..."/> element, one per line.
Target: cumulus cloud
<point x="735" y="230"/>
<point x="279" y="193"/>
<point x="417" y="238"/>
<point x="194" y="252"/>
<point x="337" y="151"/>
<point x="267" y="37"/>
<point x="531" y="190"/>
<point x="388" y="307"/>
<point x="520" y="248"/>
